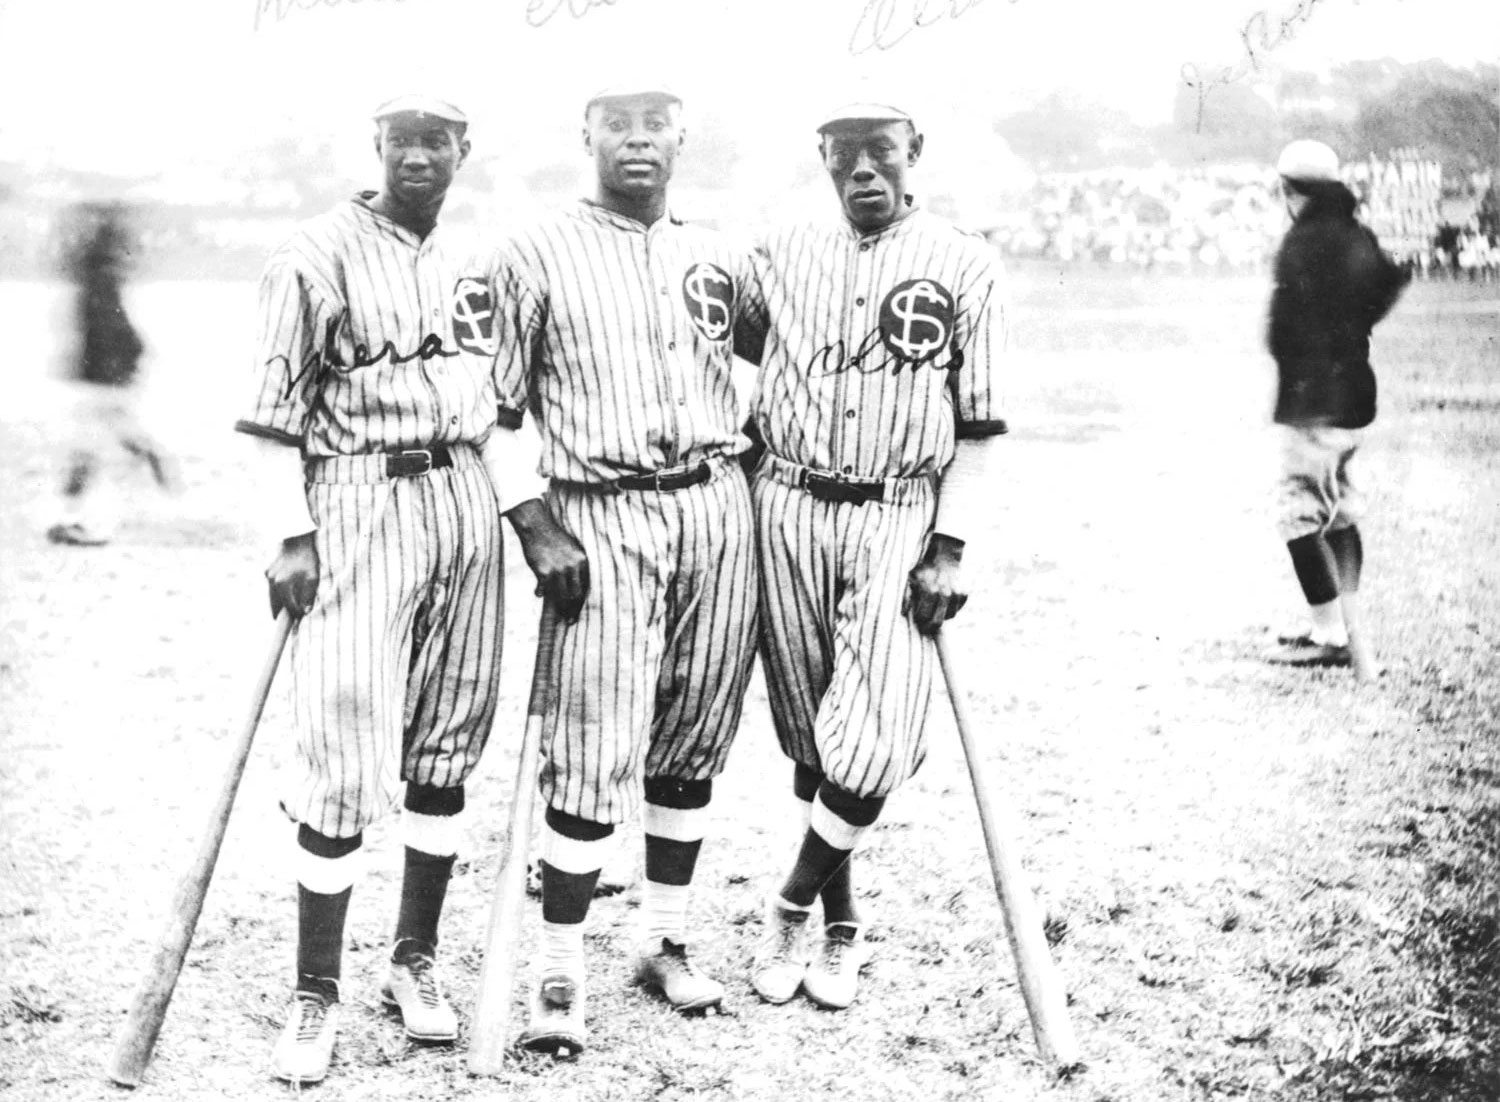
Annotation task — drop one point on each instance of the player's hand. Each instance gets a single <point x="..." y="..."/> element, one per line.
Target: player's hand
<point x="293" y="576"/>
<point x="935" y="588"/>
<point x="557" y="560"/>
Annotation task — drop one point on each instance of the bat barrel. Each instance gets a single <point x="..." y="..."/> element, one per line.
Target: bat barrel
<point x="1041" y="986"/>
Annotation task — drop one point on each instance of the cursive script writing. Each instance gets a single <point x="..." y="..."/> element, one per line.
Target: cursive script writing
<point x="867" y="359"/>
<point x="278" y="10"/>
<point x="882" y="24"/>
<point x="322" y="362"/>
<point x="539" y="12"/>
<point x="1261" y="34"/>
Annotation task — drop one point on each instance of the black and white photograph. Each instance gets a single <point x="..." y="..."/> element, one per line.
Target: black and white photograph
<point x="601" y="550"/>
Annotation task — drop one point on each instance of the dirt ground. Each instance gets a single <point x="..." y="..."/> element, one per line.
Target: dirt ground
<point x="1260" y="883"/>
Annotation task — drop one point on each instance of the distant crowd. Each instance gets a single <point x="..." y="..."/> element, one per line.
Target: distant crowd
<point x="1232" y="217"/>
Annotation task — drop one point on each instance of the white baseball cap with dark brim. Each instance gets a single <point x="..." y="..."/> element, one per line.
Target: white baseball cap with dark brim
<point x="421" y="105"/>
<point x="661" y="92"/>
<point x="851" y="113"/>
<point x="1306" y="159"/>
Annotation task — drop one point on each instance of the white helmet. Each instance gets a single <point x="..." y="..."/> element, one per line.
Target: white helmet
<point x="1306" y="159"/>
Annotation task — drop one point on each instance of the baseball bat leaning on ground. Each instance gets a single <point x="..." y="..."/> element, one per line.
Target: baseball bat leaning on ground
<point x="1041" y="986"/>
<point x="138" y="1038"/>
<point x="497" y="975"/>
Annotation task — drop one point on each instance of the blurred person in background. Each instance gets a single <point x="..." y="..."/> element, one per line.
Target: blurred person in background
<point x="102" y="367"/>
<point x="1333" y="283"/>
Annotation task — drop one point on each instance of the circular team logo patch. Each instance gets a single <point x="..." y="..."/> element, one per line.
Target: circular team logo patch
<point x="709" y="294"/>
<point x="916" y="320"/>
<point x="473" y="310"/>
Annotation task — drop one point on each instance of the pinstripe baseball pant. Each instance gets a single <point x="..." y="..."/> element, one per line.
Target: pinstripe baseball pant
<point x="849" y="675"/>
<point x="396" y="667"/>
<point x="652" y="677"/>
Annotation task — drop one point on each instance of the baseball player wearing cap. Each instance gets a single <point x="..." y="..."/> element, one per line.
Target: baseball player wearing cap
<point x="619" y="337"/>
<point x="1333" y="283"/>
<point x="387" y="464"/>
<point x="878" y="400"/>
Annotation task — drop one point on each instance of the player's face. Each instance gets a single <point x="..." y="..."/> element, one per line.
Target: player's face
<point x="867" y="163"/>
<point x="634" y="143"/>
<point x="420" y="154"/>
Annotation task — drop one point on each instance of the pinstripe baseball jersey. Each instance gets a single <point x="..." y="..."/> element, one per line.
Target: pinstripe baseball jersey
<point x="372" y="339"/>
<point x="880" y="349"/>
<point x="618" y="337"/>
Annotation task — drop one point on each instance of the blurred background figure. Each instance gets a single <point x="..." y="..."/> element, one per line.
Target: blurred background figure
<point x="101" y="368"/>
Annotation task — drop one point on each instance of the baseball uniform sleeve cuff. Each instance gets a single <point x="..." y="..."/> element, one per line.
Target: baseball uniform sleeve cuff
<point x="968" y="489"/>
<point x="280" y="491"/>
<point x="511" y="456"/>
<point x="265" y="432"/>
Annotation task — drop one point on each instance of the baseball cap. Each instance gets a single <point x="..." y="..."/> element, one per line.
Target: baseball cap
<point x="1306" y="159"/>
<point x="862" y="112"/>
<point x="413" y="104"/>
<point x="642" y="90"/>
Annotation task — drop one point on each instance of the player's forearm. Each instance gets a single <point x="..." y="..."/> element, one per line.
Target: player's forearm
<point x="280" y="491"/>
<point x="967" y="493"/>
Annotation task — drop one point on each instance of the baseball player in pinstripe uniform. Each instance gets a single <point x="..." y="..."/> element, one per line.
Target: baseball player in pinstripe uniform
<point x="386" y="474"/>
<point x="877" y="402"/>
<point x="621" y="343"/>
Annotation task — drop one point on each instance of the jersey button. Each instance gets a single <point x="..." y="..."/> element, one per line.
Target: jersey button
<point x="859" y="301"/>
<point x="454" y="419"/>
<point x="849" y="413"/>
<point x="848" y="470"/>
<point x="671" y="346"/>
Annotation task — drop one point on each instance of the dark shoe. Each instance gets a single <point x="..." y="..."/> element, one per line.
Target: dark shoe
<point x="1302" y="651"/>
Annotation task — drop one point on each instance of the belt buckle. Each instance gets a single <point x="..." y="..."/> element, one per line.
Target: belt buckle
<point x="656" y="481"/>
<point x="419" y="455"/>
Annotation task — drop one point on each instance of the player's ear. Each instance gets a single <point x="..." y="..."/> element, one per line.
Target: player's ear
<point x="914" y="150"/>
<point x="463" y="153"/>
<point x="588" y="143"/>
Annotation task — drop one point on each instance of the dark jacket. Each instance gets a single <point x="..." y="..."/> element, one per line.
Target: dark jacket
<point x="1333" y="283"/>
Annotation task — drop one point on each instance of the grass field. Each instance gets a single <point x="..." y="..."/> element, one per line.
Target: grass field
<point x="1261" y="884"/>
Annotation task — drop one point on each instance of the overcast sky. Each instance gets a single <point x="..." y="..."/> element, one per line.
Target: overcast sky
<point x="131" y="86"/>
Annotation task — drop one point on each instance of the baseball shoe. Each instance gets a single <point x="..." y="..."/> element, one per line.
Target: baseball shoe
<point x="305" y="1047"/>
<point x="1301" y="650"/>
<point x="668" y="969"/>
<point x="412" y="987"/>
<point x="556" y="1025"/>
<point x="832" y="978"/>
<point x="781" y="958"/>
<point x="76" y="535"/>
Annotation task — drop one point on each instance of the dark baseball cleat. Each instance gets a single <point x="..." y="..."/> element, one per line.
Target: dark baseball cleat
<point x="781" y="958"/>
<point x="305" y="1047"/>
<point x="556" y="1027"/>
<point x="669" y="970"/>
<point x="76" y="535"/>
<point x="1303" y="651"/>
<point x="412" y="987"/>
<point x="832" y="978"/>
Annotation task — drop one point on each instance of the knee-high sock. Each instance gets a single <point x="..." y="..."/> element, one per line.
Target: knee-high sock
<point x="1318" y="575"/>
<point x="675" y="818"/>
<point x="839" y="819"/>
<point x="1349" y="556"/>
<point x="573" y="852"/>
<point x="326" y="871"/>
<point x="838" y="894"/>
<point x="431" y="828"/>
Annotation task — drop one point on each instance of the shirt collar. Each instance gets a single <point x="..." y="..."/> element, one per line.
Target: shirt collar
<point x="894" y="229"/>
<point x="603" y="214"/>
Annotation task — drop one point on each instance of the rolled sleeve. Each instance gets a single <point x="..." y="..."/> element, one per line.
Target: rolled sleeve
<point x="982" y="335"/>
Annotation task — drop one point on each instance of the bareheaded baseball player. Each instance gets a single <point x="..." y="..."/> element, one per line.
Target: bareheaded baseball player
<point x="878" y="401"/>
<point x="387" y="464"/>
<point x="619" y="335"/>
<point x="1333" y="284"/>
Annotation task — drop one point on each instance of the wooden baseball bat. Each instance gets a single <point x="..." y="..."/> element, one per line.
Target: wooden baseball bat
<point x="497" y="975"/>
<point x="138" y="1037"/>
<point x="1041" y="986"/>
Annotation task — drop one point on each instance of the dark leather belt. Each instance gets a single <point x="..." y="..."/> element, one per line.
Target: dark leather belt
<point x="417" y="461"/>
<point x="666" y="481"/>
<point x="855" y="491"/>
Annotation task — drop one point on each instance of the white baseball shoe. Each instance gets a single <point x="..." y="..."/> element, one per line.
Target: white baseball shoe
<point x="832" y="979"/>
<point x="412" y="986"/>
<point x="669" y="969"/>
<point x="780" y="961"/>
<point x="305" y="1047"/>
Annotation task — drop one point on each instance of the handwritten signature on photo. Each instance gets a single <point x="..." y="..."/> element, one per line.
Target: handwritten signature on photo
<point x="883" y="24"/>
<point x="276" y="11"/>
<point x="1261" y="34"/>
